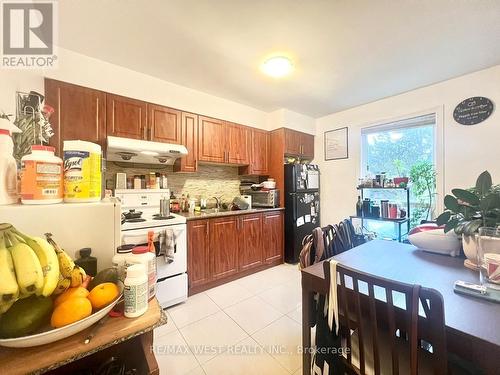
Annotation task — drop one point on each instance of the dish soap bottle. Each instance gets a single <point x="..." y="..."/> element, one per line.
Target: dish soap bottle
<point x="8" y="165"/>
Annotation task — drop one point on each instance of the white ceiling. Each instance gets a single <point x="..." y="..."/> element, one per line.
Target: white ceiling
<point x="346" y="52"/>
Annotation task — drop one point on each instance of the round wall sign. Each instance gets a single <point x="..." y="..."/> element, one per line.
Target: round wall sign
<point x="472" y="111"/>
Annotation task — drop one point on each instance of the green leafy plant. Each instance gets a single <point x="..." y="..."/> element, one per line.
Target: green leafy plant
<point x="423" y="178"/>
<point x="400" y="167"/>
<point x="467" y="210"/>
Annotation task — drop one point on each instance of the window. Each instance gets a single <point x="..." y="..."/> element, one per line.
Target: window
<point x="403" y="148"/>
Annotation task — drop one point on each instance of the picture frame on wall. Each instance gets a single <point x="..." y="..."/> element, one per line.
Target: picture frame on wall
<point x="337" y="144"/>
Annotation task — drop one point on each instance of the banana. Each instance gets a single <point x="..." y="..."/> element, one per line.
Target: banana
<point x="62" y="284"/>
<point x="66" y="264"/>
<point x="77" y="277"/>
<point x="29" y="272"/>
<point x="48" y="260"/>
<point x="9" y="290"/>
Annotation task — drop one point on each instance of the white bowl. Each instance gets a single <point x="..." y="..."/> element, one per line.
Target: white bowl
<point x="269" y="184"/>
<point x="60" y="333"/>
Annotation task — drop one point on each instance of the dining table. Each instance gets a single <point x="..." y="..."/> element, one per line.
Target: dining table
<point x="472" y="324"/>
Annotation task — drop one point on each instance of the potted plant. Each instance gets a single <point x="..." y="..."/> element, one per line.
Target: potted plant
<point x="467" y="210"/>
<point x="401" y="180"/>
<point x="423" y="186"/>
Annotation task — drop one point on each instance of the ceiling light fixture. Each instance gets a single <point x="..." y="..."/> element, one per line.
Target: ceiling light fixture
<point x="277" y="67"/>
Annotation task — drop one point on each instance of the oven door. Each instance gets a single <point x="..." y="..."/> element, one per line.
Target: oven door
<point x="139" y="237"/>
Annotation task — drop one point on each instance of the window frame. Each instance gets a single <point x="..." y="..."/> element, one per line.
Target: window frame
<point x="439" y="146"/>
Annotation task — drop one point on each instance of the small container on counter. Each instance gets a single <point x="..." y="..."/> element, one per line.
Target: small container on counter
<point x="137" y="182"/>
<point x="135" y="291"/>
<point x="41" y="176"/>
<point x="143" y="181"/>
<point x="87" y="262"/>
<point x="142" y="255"/>
<point x="119" y="259"/>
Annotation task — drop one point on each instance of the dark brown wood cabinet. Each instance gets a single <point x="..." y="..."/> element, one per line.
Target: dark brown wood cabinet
<point x="259" y="154"/>
<point x="198" y="253"/>
<point x="164" y="124"/>
<point x="250" y="241"/>
<point x="237" y="144"/>
<point x="126" y="117"/>
<point x="272" y="233"/>
<point x="299" y="144"/>
<point x="189" y="138"/>
<point x="211" y="140"/>
<point x="224" y="238"/>
<point x="79" y="113"/>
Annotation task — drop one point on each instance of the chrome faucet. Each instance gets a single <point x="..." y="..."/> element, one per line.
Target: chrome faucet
<point x="217" y="204"/>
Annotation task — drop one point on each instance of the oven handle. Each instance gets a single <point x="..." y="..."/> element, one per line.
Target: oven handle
<point x="144" y="233"/>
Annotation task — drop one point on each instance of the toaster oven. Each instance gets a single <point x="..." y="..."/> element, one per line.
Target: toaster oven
<point x="267" y="198"/>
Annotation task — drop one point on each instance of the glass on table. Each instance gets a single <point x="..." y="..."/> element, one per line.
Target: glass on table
<point x="488" y="256"/>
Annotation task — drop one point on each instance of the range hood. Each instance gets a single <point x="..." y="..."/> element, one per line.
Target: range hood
<point x="144" y="152"/>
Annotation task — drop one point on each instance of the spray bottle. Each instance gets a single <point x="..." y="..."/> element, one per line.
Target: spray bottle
<point x="8" y="165"/>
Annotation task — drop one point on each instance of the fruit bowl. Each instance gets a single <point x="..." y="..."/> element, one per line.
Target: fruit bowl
<point x="55" y="334"/>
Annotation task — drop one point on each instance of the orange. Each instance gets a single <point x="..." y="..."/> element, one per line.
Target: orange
<point x="103" y="294"/>
<point x="70" y="311"/>
<point x="71" y="293"/>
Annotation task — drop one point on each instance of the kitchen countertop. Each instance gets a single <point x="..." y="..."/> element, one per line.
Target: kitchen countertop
<point x="211" y="214"/>
<point x="50" y="356"/>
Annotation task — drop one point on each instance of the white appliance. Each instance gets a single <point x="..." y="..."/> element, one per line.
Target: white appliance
<point x="172" y="282"/>
<point x="73" y="225"/>
<point x="146" y="152"/>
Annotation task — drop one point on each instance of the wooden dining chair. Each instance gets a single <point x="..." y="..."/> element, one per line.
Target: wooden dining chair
<point x="379" y="322"/>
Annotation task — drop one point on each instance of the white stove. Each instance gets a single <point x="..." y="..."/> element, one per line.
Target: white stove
<point x="172" y="281"/>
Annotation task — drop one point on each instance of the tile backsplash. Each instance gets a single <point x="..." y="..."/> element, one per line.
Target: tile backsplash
<point x="209" y="181"/>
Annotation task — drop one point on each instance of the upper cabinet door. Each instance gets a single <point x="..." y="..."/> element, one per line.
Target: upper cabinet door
<point x="189" y="138"/>
<point x="79" y="113"/>
<point x="238" y="144"/>
<point x="164" y="124"/>
<point x="260" y="152"/>
<point x="211" y="140"/>
<point x="307" y="142"/>
<point x="292" y="142"/>
<point x="126" y="117"/>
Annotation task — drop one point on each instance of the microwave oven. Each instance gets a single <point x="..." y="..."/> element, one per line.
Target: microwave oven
<point x="266" y="198"/>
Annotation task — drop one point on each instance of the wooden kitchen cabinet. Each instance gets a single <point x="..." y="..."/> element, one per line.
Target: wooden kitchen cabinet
<point x="164" y="124"/>
<point x="298" y="144"/>
<point x="79" y="113"/>
<point x="250" y="241"/>
<point x="272" y="233"/>
<point x="211" y="140"/>
<point x="126" y="117"/>
<point x="198" y="252"/>
<point x="237" y="144"/>
<point x="224" y="238"/>
<point x="259" y="154"/>
<point x="189" y="138"/>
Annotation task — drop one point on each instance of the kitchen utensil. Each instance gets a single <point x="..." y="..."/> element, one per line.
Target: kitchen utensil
<point x="256" y="187"/>
<point x="240" y="203"/>
<point x="94" y="330"/>
<point x="132" y="214"/>
<point x="269" y="184"/>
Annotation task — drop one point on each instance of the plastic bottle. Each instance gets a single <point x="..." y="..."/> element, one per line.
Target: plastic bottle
<point x="87" y="262"/>
<point x="135" y="291"/>
<point x="82" y="171"/>
<point x="119" y="260"/>
<point x="8" y="166"/>
<point x="41" y="176"/>
<point x="141" y="255"/>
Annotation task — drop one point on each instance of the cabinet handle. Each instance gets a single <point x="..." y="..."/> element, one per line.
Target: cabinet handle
<point x="150" y="133"/>
<point x="144" y="133"/>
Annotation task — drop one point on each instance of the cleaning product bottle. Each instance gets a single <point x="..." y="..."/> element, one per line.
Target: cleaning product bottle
<point x="8" y="166"/>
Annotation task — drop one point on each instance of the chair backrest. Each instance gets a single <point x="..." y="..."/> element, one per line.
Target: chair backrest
<point x="377" y="308"/>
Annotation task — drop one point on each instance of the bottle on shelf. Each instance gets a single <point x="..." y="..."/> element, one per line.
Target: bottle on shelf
<point x="359" y="207"/>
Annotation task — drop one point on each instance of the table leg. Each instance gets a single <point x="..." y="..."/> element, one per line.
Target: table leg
<point x="306" y="330"/>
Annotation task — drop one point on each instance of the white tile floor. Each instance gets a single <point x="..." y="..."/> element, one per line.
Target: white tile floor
<point x="249" y="326"/>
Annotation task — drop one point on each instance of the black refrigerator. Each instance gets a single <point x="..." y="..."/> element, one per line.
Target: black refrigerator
<point x="301" y="206"/>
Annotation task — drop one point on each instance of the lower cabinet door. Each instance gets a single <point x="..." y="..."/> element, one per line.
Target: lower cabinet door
<point x="272" y="224"/>
<point x="250" y="241"/>
<point x="198" y="252"/>
<point x="223" y="247"/>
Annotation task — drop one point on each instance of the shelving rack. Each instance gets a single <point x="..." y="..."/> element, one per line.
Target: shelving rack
<point x="398" y="221"/>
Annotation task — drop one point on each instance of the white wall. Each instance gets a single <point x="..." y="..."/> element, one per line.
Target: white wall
<point x="285" y="118"/>
<point x="86" y="71"/>
<point x="466" y="150"/>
